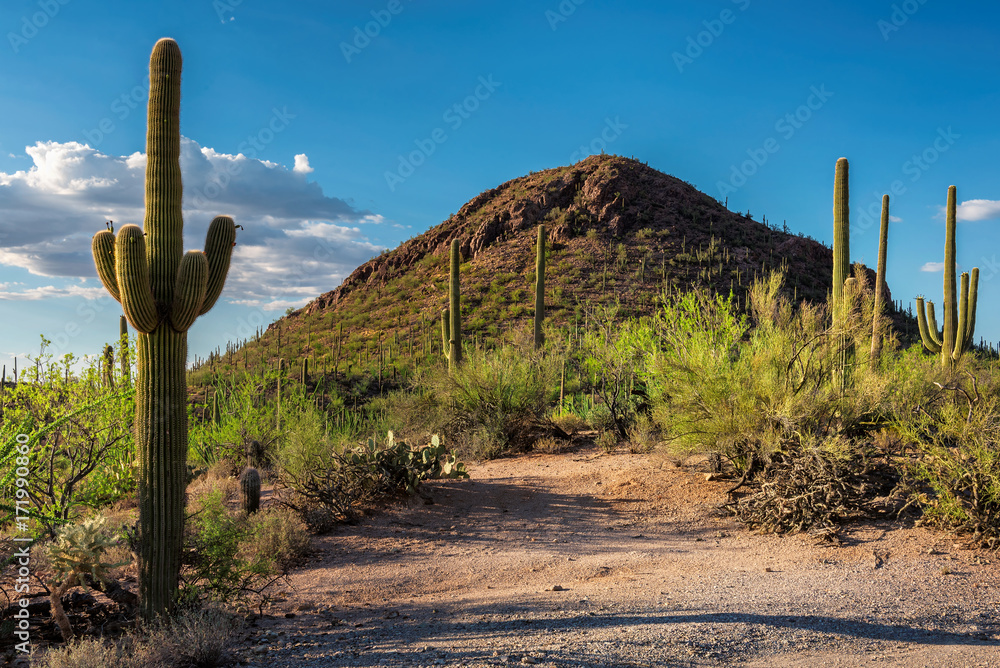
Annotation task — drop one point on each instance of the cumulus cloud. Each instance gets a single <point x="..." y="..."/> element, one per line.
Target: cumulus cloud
<point x="932" y="267"/>
<point x="296" y="243"/>
<point x="302" y="164"/>
<point x="978" y="209"/>
<point x="895" y="219"/>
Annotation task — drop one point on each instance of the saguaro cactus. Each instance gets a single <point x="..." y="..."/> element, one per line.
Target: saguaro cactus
<point x="540" y="288"/>
<point x="841" y="265"/>
<point x="959" y="319"/>
<point x="877" y="327"/>
<point x="162" y="290"/>
<point x="454" y="307"/>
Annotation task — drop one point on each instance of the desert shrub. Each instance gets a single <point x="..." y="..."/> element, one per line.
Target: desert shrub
<point x="607" y="441"/>
<point x="328" y="482"/>
<point x="495" y="401"/>
<point x="814" y="487"/>
<point x="747" y="387"/>
<point x="217" y="570"/>
<point x="570" y="422"/>
<point x="642" y="435"/>
<point x="615" y="353"/>
<point x="954" y="475"/>
<point x="191" y="639"/>
<point x="277" y="534"/>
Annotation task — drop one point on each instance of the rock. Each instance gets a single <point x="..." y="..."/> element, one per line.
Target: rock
<point x="556" y="588"/>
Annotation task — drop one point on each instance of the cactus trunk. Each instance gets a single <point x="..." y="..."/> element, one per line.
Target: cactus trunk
<point x="841" y="266"/>
<point x="877" y="319"/>
<point x="540" y="288"/>
<point x="162" y="291"/>
<point x="454" y="301"/>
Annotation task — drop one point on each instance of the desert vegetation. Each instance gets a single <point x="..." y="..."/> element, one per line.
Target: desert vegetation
<point x="184" y="494"/>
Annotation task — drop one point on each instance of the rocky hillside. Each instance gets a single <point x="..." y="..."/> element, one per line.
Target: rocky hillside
<point x="618" y="230"/>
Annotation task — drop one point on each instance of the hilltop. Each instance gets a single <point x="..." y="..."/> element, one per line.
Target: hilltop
<point x="618" y="230"/>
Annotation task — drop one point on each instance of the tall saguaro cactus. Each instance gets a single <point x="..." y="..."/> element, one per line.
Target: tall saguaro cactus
<point x="841" y="264"/>
<point x="455" y="311"/>
<point x="540" y="288"/>
<point x="959" y="318"/>
<point x="877" y="328"/>
<point x="162" y="290"/>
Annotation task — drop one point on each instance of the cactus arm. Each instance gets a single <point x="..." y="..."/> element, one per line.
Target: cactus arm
<point x="932" y="327"/>
<point x="930" y="343"/>
<point x="192" y="279"/>
<point x="445" y="332"/>
<point x="103" y="247"/>
<point x="963" y="311"/>
<point x="219" y="250"/>
<point x="133" y="279"/>
<point x="973" y="298"/>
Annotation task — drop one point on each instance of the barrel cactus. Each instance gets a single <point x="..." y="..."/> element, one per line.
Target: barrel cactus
<point x="250" y="489"/>
<point x="162" y="291"/>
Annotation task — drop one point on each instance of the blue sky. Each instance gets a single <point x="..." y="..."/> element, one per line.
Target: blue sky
<point x="334" y="130"/>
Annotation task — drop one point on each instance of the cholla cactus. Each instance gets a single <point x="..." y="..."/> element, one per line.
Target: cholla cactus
<point x="77" y="551"/>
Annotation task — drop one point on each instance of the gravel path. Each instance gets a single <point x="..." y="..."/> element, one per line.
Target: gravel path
<point x="583" y="559"/>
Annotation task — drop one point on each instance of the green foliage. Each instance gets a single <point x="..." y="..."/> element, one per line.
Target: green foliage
<point x="218" y="569"/>
<point x="955" y="477"/>
<point x="495" y="400"/>
<point x="79" y="447"/>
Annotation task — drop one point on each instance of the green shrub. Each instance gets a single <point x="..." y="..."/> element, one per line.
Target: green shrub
<point x="495" y="400"/>
<point x="277" y="534"/>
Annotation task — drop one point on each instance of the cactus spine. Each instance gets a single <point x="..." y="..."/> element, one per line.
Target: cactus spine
<point x="162" y="290"/>
<point x="454" y="306"/>
<point x="250" y="489"/>
<point x="540" y="288"/>
<point x="959" y="318"/>
<point x="877" y="326"/>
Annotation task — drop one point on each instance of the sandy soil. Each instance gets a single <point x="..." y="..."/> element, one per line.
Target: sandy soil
<point x="587" y="559"/>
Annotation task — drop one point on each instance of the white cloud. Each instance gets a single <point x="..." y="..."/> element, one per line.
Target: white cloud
<point x="895" y="219"/>
<point x="932" y="267"/>
<point x="978" y="209"/>
<point x="302" y="164"/>
<point x="296" y="243"/>
<point x="50" y="292"/>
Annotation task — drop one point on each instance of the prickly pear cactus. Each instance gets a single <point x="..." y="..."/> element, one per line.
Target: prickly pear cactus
<point x="162" y="290"/>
